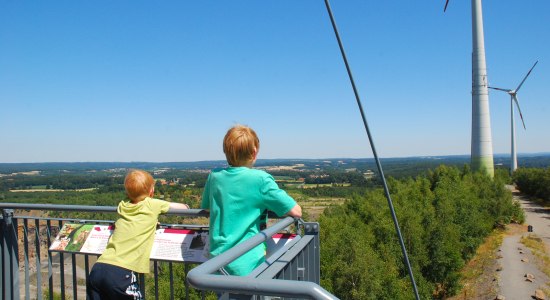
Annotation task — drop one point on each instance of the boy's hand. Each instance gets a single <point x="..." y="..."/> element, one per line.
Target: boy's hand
<point x="175" y="205"/>
<point x="296" y="211"/>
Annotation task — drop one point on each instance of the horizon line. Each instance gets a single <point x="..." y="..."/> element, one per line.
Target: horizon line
<point x="268" y="159"/>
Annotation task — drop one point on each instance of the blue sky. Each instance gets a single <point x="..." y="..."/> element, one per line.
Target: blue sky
<point x="163" y="81"/>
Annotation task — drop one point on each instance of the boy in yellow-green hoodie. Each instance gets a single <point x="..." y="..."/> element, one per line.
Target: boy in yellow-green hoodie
<point x="113" y="276"/>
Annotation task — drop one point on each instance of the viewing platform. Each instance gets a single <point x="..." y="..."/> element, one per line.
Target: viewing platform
<point x="32" y="270"/>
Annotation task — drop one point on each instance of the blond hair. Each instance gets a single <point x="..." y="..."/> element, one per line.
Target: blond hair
<point x="240" y="144"/>
<point x="138" y="184"/>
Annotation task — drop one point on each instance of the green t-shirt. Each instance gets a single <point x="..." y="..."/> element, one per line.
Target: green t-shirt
<point x="236" y="198"/>
<point x="130" y="245"/>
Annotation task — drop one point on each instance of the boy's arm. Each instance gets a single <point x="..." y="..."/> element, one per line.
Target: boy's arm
<point x="296" y="211"/>
<point x="205" y="201"/>
<point x="178" y="205"/>
<point x="277" y="200"/>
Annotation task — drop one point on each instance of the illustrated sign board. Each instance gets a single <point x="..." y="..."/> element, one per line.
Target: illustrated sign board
<point x="180" y="245"/>
<point x="169" y="244"/>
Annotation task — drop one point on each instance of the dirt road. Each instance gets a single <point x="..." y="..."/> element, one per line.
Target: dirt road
<point x="518" y="260"/>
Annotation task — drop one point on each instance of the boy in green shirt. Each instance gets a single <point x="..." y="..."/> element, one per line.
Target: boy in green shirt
<point x="113" y="276"/>
<point x="236" y="197"/>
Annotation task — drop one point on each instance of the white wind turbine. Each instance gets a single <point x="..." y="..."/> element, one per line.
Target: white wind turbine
<point x="514" y="98"/>
<point x="482" y="143"/>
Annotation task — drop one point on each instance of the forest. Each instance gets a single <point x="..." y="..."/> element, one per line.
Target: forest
<point x="534" y="182"/>
<point x="444" y="216"/>
<point x="445" y="212"/>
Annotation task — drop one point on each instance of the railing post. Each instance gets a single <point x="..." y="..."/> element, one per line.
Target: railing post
<point x="314" y="257"/>
<point x="10" y="259"/>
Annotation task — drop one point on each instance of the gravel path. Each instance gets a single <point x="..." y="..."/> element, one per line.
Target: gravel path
<point x="517" y="259"/>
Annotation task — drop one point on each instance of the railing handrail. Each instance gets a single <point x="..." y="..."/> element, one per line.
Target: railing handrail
<point x="90" y="208"/>
<point x="202" y="276"/>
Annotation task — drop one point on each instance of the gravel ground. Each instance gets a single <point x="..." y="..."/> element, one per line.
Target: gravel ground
<point x="517" y="259"/>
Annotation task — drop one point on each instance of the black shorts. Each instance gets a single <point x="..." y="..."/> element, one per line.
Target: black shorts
<point x="111" y="282"/>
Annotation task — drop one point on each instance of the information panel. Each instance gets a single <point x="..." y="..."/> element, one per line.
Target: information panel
<point x="169" y="244"/>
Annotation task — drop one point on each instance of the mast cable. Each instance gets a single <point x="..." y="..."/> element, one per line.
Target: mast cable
<point x="377" y="160"/>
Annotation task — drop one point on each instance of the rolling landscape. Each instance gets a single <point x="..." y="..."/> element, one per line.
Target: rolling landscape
<point x="433" y="196"/>
<point x="455" y="207"/>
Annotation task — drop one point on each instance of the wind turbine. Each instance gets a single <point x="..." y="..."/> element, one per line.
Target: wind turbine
<point x="482" y="144"/>
<point x="514" y="98"/>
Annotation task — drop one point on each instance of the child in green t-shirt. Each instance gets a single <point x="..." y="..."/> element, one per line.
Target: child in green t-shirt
<point x="236" y="197"/>
<point x="113" y="276"/>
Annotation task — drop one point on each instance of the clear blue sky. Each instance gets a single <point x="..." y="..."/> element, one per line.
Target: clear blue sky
<point x="163" y="80"/>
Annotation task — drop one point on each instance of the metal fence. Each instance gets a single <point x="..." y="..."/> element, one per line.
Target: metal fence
<point x="29" y="270"/>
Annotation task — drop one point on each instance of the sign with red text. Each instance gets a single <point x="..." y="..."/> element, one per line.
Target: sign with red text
<point x="169" y="244"/>
<point x="180" y="245"/>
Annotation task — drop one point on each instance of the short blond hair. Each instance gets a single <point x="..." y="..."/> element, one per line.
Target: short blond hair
<point x="239" y="145"/>
<point x="138" y="183"/>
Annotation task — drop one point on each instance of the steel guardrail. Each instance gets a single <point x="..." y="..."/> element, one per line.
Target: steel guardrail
<point x="203" y="277"/>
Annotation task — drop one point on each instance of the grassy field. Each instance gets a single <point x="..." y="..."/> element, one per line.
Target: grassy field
<point x="313" y="207"/>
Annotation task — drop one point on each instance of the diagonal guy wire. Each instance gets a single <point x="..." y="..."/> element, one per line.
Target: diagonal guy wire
<point x="378" y="165"/>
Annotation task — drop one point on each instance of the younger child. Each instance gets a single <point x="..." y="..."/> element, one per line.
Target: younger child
<point x="236" y="197"/>
<point x="113" y="276"/>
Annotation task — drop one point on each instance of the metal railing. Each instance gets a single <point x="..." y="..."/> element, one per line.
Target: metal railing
<point x="290" y="266"/>
<point x="29" y="270"/>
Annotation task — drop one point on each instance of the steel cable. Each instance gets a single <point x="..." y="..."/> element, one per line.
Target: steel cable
<point x="377" y="160"/>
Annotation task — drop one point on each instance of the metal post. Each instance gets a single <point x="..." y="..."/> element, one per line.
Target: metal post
<point x="61" y="256"/>
<point x="171" y="272"/>
<point x="10" y="259"/>
<point x="156" y="273"/>
<point x="2" y="258"/>
<point x="186" y="284"/>
<point x="26" y="256"/>
<point x="50" y="269"/>
<point x="37" y="243"/>
<point x="314" y="255"/>
<point x="75" y="281"/>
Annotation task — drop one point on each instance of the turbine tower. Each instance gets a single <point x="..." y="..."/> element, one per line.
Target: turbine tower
<point x="482" y="144"/>
<point x="514" y="98"/>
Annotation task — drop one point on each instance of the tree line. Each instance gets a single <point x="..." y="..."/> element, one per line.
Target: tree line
<point x="444" y="216"/>
<point x="63" y="182"/>
<point x="534" y="182"/>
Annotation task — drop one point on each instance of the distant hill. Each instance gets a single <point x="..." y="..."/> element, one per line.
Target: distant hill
<point x="392" y="166"/>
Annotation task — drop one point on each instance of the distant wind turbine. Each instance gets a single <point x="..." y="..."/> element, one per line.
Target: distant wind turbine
<point x="482" y="144"/>
<point x="514" y="98"/>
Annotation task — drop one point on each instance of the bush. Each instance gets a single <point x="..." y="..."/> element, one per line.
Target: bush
<point x="534" y="182"/>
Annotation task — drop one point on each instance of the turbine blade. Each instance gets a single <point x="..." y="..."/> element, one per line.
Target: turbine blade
<point x="519" y="109"/>
<point x="519" y="86"/>
<point x="499" y="89"/>
<point x="446" y="3"/>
